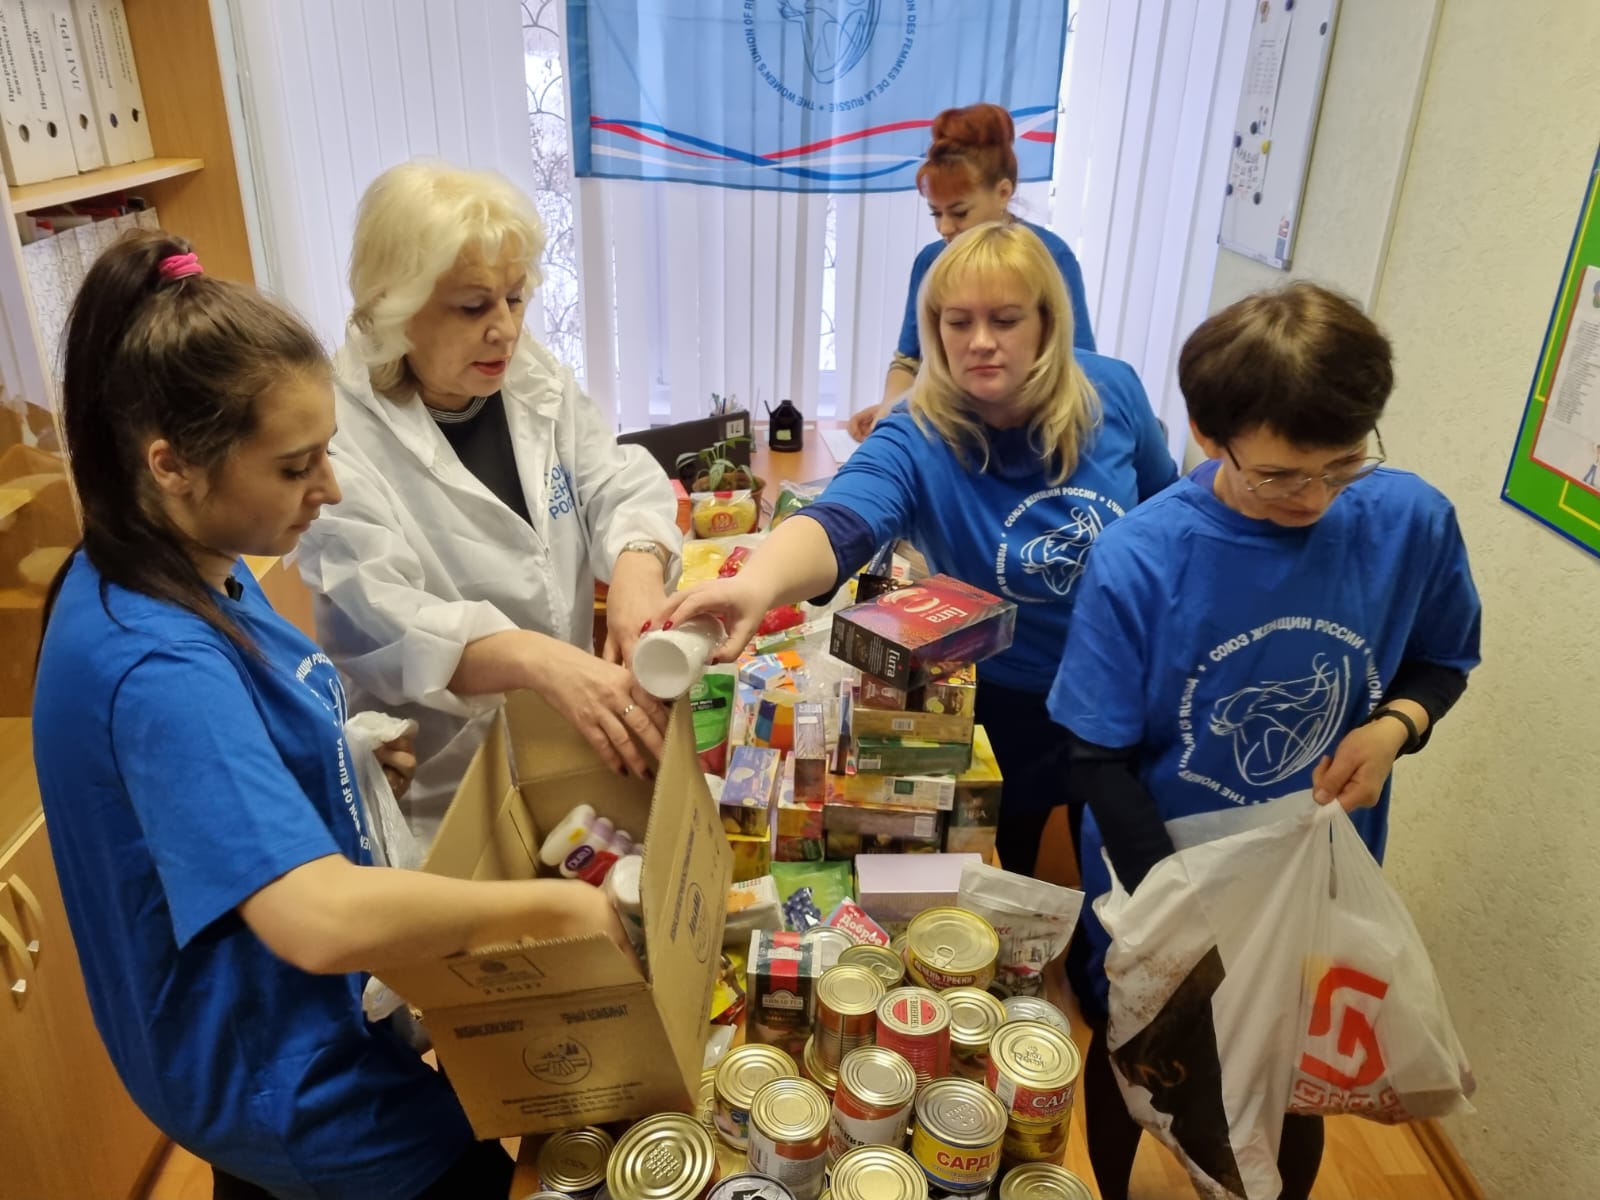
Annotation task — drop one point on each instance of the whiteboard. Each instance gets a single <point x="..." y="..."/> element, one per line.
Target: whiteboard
<point x="1290" y="41"/>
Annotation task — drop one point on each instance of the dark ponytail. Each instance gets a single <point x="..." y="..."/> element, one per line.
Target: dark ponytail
<point x="185" y="359"/>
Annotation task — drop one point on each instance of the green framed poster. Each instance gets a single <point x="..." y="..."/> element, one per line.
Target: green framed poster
<point x="1555" y="469"/>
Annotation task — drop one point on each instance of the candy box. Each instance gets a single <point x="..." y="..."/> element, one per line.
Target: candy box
<point x="908" y="635"/>
<point x="852" y="831"/>
<point x="923" y="726"/>
<point x="909" y="756"/>
<point x="925" y="793"/>
<point x="954" y="692"/>
<point x="763" y="671"/>
<point x="750" y="791"/>
<point x="975" y="815"/>
<point x="810" y="755"/>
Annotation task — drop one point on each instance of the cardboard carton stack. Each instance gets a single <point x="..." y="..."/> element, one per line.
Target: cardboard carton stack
<point x="909" y="746"/>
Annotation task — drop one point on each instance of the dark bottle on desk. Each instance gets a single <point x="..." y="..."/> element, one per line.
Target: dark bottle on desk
<point x="786" y="427"/>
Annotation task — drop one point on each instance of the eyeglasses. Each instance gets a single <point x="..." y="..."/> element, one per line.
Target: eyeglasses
<point x="1280" y="485"/>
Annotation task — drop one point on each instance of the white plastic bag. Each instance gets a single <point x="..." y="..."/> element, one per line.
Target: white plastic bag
<point x="389" y="838"/>
<point x="1272" y="970"/>
<point x="1033" y="919"/>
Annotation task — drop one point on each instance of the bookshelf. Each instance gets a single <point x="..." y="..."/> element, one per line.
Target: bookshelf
<point x="102" y="181"/>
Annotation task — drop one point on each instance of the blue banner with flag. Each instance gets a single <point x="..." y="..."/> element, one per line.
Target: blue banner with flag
<point x="802" y="95"/>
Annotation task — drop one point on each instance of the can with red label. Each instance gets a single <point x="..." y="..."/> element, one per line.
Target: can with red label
<point x="872" y="1106"/>
<point x="915" y="1023"/>
<point x="847" y="1011"/>
<point x="1033" y="1068"/>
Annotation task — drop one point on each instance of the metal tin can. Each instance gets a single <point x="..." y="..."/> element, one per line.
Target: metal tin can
<point x="739" y="1077"/>
<point x="880" y="960"/>
<point x="950" y="947"/>
<point x="819" y="1072"/>
<point x="1043" y="1181"/>
<point x="669" y="1156"/>
<point x="828" y="943"/>
<point x="873" y="1104"/>
<point x="877" y="1173"/>
<point x="975" y="1017"/>
<point x="960" y="1127"/>
<point x="747" y="1185"/>
<point x="847" y="1011"/>
<point x="602" y="1193"/>
<point x="789" y="1135"/>
<point x="1026" y="1142"/>
<point x="706" y="1100"/>
<point x="1036" y="1008"/>
<point x="1033" y="1068"/>
<point x="898" y="945"/>
<point x="915" y="1022"/>
<point x="573" y="1161"/>
<point x="543" y="1195"/>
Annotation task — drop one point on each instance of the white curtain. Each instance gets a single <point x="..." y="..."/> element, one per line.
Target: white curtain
<point x="333" y="93"/>
<point x="1141" y="162"/>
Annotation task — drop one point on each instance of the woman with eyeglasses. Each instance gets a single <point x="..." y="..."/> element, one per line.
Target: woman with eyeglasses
<point x="1293" y="615"/>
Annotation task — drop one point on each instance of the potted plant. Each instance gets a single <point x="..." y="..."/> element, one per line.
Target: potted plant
<point x="709" y="471"/>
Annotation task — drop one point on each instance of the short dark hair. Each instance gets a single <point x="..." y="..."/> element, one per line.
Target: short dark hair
<point x="1301" y="361"/>
<point x="186" y="359"/>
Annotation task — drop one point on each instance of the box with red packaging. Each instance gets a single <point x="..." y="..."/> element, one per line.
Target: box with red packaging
<point x="908" y="636"/>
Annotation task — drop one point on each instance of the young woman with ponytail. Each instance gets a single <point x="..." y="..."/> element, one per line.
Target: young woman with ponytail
<point x="1015" y="453"/>
<point x="188" y="743"/>
<point x="968" y="179"/>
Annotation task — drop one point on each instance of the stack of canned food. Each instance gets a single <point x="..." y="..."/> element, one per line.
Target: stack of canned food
<point x="919" y="1092"/>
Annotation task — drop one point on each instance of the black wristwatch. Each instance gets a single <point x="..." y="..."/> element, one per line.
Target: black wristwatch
<point x="1413" y="734"/>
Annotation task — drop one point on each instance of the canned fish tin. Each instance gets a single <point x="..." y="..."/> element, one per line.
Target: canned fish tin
<point x="847" y="1011"/>
<point x="898" y="945"/>
<point x="880" y="960"/>
<point x="819" y="1072"/>
<point x="975" y="1017"/>
<point x="1029" y="1143"/>
<point x="1033" y="1068"/>
<point x="915" y="1022"/>
<point x="1043" y="1181"/>
<point x="789" y="1135"/>
<point x="877" y="1173"/>
<point x="872" y="1106"/>
<point x="1036" y="1008"/>
<point x="669" y="1156"/>
<point x="950" y="947"/>
<point x="573" y="1161"/>
<point x="740" y="1076"/>
<point x="747" y="1185"/>
<point x="827" y="944"/>
<point x="706" y="1100"/>
<point x="959" y="1130"/>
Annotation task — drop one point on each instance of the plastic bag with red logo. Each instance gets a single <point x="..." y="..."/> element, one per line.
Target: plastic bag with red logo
<point x="1268" y="967"/>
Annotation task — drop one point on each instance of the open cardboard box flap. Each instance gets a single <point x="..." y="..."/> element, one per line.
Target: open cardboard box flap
<point x="543" y="1034"/>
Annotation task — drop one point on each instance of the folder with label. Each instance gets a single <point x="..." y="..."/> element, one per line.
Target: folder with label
<point x="113" y="80"/>
<point x="67" y="50"/>
<point x="34" y="140"/>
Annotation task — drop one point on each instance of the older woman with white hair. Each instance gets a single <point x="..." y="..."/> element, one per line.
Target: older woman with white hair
<point x="483" y="493"/>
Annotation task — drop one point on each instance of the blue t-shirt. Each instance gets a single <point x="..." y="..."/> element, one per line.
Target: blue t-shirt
<point x="1236" y="653"/>
<point x="1008" y="529"/>
<point x="1082" y="332"/>
<point x="180" y="775"/>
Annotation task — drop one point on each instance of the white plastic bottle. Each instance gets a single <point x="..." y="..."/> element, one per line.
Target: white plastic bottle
<point x="621" y="887"/>
<point x="561" y="840"/>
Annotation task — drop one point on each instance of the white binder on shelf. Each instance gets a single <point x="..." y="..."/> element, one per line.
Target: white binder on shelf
<point x="113" y="80"/>
<point x="34" y="139"/>
<point x="67" y="51"/>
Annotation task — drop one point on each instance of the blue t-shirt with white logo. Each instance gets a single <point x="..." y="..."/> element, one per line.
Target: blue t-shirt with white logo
<point x="1008" y="529"/>
<point x="910" y="343"/>
<point x="180" y="775"/>
<point x="1236" y="653"/>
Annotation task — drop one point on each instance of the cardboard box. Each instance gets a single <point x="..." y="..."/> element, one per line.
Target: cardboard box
<point x="538" y="1035"/>
<point x="852" y="831"/>
<point x="810" y="756"/>
<point x="909" y="756"/>
<point x="951" y="728"/>
<point x="975" y="817"/>
<point x="892" y="888"/>
<point x="924" y="793"/>
<point x="35" y="141"/>
<point x="911" y="635"/>
<point x="954" y="693"/>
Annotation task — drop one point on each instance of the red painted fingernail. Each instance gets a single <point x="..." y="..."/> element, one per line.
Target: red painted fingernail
<point x="645" y="628"/>
<point x="666" y="624"/>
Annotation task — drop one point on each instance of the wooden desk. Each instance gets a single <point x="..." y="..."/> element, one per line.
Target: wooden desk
<point x="812" y="462"/>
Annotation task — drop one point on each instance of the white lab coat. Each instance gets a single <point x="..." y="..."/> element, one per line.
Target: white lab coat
<point x="419" y="558"/>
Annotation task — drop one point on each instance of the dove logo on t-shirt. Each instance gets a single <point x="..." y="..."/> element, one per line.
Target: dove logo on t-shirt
<point x="1045" y="548"/>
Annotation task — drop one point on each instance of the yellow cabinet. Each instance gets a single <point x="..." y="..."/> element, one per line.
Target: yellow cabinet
<point x="68" y="1126"/>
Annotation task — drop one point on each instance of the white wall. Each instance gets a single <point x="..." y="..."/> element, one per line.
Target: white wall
<point x="1497" y="826"/>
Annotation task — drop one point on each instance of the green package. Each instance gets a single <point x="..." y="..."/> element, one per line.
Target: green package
<point x="711" y="704"/>
<point x="830" y="883"/>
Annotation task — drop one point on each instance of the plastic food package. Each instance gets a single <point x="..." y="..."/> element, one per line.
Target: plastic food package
<point x="711" y="704"/>
<point x="792" y="497"/>
<point x="829" y="883"/>
<point x="1033" y="919"/>
<point x="752" y="905"/>
<point x="1272" y="970"/>
<point x="723" y="514"/>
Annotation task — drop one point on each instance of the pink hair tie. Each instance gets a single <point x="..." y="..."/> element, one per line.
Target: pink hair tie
<point x="176" y="266"/>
